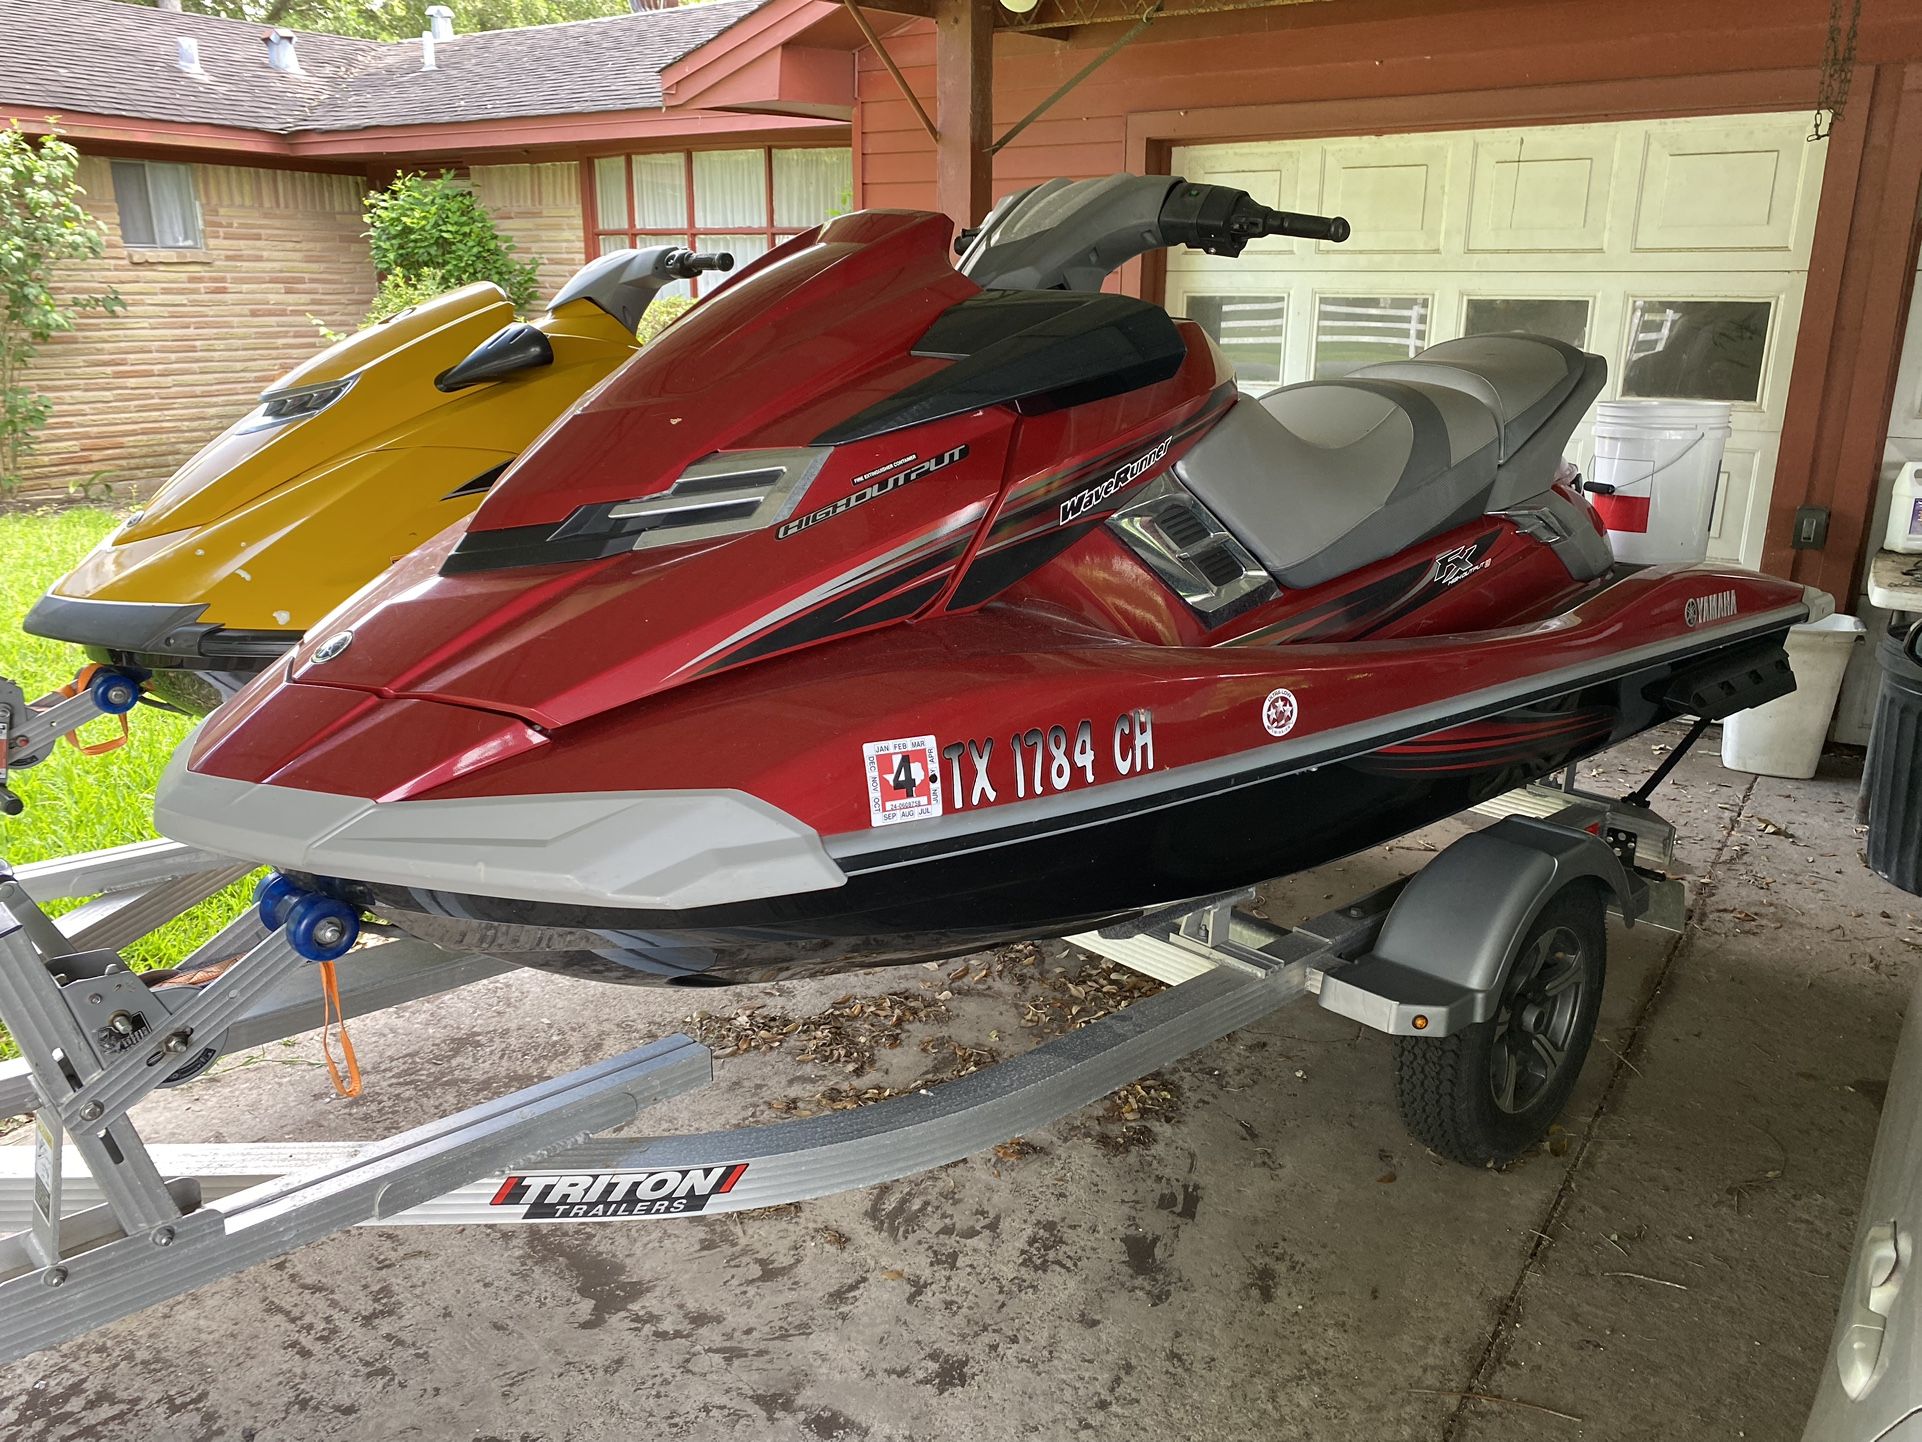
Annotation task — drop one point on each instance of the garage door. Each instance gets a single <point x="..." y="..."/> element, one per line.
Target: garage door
<point x="1678" y="249"/>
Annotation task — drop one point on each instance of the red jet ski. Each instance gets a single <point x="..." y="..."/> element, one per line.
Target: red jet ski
<point x="887" y="608"/>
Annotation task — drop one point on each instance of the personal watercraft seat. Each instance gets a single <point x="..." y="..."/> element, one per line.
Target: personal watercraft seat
<point x="1537" y="388"/>
<point x="1320" y="478"/>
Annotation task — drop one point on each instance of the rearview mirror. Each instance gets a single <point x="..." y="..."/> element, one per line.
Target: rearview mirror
<point x="506" y="352"/>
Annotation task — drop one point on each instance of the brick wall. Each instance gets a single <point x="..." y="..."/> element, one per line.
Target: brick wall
<point x="538" y="207"/>
<point x="135" y="394"/>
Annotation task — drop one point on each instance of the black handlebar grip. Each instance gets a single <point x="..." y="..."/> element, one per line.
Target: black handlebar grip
<point x="686" y="264"/>
<point x="1310" y="227"/>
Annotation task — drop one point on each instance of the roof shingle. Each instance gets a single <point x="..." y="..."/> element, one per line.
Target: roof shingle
<point x="103" y="57"/>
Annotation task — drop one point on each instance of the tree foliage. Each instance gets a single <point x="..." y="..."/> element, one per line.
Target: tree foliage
<point x="429" y="236"/>
<point x="42" y="224"/>
<point x="400" y="19"/>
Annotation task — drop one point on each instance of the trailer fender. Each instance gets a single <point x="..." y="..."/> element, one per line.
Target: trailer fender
<point x="1451" y="936"/>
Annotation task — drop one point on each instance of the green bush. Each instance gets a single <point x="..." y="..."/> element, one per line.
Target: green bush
<point x="42" y="225"/>
<point x="431" y="236"/>
<point x="399" y="291"/>
<point x="664" y="309"/>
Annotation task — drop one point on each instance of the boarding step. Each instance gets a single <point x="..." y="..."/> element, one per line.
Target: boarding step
<point x="1639" y="836"/>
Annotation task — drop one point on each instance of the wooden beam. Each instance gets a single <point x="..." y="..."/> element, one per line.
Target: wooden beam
<point x="1851" y="336"/>
<point x="900" y="80"/>
<point x="964" y="107"/>
<point x="1102" y="58"/>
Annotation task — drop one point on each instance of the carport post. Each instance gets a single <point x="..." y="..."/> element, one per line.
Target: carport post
<point x="963" y="107"/>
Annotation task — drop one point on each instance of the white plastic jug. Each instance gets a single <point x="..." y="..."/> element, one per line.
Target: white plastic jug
<point x="1784" y="738"/>
<point x="1905" y="511"/>
<point x="1656" y="465"/>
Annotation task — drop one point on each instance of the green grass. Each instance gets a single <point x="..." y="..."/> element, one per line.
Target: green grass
<point x="76" y="802"/>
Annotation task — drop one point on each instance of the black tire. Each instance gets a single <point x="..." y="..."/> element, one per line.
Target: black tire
<point x="1450" y="1088"/>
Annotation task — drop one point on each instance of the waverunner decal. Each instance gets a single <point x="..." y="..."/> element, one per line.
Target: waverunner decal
<point x="586" y="1196"/>
<point x="903" y="780"/>
<point x="1078" y="505"/>
<point x="870" y="492"/>
<point x="1046" y="760"/>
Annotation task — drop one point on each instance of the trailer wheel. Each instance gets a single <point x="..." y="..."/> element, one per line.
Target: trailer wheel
<point x="1488" y="1093"/>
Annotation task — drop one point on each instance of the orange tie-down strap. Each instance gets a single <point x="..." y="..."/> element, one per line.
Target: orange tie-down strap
<point x="335" y="1017"/>
<point x="345" y="1074"/>
<point x="93" y="748"/>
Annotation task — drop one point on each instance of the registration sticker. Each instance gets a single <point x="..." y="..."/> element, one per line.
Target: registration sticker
<point x="903" y="779"/>
<point x="1280" y="711"/>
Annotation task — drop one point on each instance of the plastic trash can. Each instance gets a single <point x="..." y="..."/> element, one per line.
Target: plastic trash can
<point x="1784" y="738"/>
<point x="1892" y="780"/>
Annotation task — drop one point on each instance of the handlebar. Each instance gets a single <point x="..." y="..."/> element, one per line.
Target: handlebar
<point x="1221" y="220"/>
<point x="686" y="264"/>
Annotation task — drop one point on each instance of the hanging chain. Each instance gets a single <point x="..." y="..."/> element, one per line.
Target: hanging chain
<point x="1838" y="69"/>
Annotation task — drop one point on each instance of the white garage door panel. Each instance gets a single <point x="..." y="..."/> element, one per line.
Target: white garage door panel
<point x="1535" y="192"/>
<point x="1665" y="230"/>
<point x="1394" y="192"/>
<point x="1721" y="188"/>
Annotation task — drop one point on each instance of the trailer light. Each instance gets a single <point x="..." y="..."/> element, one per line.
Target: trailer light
<point x="1420" y="1023"/>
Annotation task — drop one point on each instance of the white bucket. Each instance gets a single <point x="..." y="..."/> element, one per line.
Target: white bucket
<point x="1656" y="465"/>
<point x="1784" y="738"/>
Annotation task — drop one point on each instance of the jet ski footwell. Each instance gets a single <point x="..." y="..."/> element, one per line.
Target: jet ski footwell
<point x="107" y="1225"/>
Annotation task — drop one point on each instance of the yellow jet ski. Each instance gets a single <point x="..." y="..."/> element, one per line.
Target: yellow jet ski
<point x="348" y="463"/>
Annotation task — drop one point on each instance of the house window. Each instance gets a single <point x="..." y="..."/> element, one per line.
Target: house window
<point x="743" y="201"/>
<point x="158" y="208"/>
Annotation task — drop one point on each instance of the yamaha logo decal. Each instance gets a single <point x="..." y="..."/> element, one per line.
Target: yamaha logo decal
<point x="1700" y="610"/>
<point x="333" y="645"/>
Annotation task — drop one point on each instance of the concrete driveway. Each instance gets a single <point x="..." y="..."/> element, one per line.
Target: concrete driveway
<point x="1247" y="1246"/>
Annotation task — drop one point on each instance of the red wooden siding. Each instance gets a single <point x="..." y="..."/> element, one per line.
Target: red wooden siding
<point x="1449" y="54"/>
<point x="1358" y="67"/>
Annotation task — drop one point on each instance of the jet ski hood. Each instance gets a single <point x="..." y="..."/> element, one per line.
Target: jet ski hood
<point x="333" y="399"/>
<point x="777" y="470"/>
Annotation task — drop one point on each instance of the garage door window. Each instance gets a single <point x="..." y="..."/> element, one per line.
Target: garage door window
<point x="1705" y="350"/>
<point x="1352" y="331"/>
<point x="1563" y="320"/>
<point x="1252" y="331"/>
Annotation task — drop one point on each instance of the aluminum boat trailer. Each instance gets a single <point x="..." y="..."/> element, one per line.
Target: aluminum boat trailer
<point x="103" y="1225"/>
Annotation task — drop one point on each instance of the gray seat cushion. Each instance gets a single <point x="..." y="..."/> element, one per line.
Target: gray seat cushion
<point x="1320" y="478"/>
<point x="1521" y="379"/>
